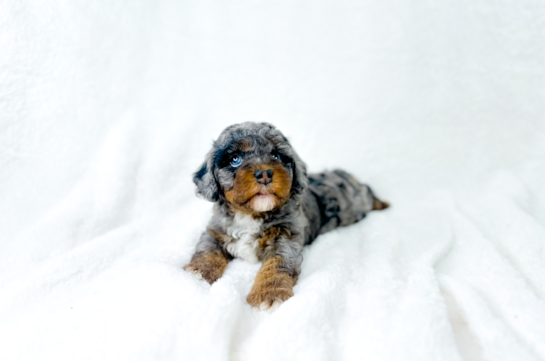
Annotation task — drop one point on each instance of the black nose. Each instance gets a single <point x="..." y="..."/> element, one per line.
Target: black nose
<point x="264" y="176"/>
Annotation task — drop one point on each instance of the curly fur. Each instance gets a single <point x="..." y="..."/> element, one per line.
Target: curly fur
<point x="269" y="222"/>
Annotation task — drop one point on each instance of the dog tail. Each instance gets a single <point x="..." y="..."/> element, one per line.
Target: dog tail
<point x="378" y="205"/>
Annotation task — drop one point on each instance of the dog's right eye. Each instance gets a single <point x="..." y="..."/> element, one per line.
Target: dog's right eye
<point x="236" y="160"/>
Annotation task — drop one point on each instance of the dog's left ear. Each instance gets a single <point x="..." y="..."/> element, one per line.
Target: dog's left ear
<point x="300" y="180"/>
<point x="204" y="179"/>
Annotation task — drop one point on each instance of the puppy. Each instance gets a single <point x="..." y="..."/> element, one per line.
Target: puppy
<point x="267" y="208"/>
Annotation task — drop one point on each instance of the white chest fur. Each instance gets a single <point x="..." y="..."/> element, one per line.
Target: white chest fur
<point x="244" y="230"/>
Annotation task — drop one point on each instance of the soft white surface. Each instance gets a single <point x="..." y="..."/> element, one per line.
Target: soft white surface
<point x="107" y="107"/>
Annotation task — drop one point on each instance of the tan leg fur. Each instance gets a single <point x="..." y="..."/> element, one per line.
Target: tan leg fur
<point x="272" y="286"/>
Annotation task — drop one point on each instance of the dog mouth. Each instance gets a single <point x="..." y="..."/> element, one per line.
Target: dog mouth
<point x="263" y="202"/>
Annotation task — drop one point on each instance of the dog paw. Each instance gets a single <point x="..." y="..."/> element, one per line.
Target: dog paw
<point x="195" y="272"/>
<point x="267" y="306"/>
<point x="203" y="272"/>
<point x="207" y="267"/>
<point x="269" y="295"/>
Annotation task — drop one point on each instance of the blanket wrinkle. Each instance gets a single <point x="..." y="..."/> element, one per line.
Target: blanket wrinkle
<point x="495" y="336"/>
<point x="490" y="281"/>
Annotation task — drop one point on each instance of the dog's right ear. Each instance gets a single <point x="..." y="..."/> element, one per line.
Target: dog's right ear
<point x="206" y="183"/>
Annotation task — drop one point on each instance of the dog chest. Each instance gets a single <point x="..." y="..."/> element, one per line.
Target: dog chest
<point x="245" y="230"/>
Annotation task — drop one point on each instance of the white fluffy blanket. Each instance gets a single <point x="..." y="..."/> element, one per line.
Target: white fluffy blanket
<point x="108" y="110"/>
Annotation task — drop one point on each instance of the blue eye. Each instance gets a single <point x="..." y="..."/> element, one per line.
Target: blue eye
<point x="235" y="162"/>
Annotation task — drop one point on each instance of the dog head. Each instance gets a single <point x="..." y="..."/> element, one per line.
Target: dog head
<point x="252" y="167"/>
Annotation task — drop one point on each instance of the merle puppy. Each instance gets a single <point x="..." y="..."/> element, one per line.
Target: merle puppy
<point x="267" y="208"/>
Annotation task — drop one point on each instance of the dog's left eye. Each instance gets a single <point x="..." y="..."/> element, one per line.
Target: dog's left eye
<point x="236" y="160"/>
<point x="276" y="157"/>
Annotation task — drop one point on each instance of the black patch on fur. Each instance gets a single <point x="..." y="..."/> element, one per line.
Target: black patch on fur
<point x="198" y="176"/>
<point x="283" y="157"/>
<point x="206" y="183"/>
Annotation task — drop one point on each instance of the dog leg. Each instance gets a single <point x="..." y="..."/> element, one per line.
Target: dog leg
<point x="272" y="286"/>
<point x="209" y="262"/>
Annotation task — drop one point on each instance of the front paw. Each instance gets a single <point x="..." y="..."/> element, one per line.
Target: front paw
<point x="209" y="267"/>
<point x="269" y="293"/>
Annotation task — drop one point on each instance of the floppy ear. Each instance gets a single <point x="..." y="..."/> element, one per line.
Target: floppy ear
<point x="300" y="179"/>
<point x="204" y="179"/>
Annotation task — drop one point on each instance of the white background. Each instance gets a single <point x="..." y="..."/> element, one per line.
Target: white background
<point x="107" y="107"/>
